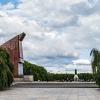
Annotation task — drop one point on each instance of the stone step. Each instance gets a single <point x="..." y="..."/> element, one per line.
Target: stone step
<point x="55" y="85"/>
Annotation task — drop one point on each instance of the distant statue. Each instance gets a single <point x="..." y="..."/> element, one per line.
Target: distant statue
<point x="75" y="71"/>
<point x="28" y="71"/>
<point x="76" y="76"/>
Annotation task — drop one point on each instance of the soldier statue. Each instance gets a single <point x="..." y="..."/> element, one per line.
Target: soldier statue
<point x="75" y="71"/>
<point x="28" y="71"/>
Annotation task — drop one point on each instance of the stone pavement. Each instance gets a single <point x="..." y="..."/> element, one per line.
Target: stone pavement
<point x="51" y="94"/>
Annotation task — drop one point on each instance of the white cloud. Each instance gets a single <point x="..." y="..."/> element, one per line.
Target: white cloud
<point x="0" y="30"/>
<point x="82" y="61"/>
<point x="70" y="69"/>
<point x="55" y="35"/>
<point x="56" y="70"/>
<point x="8" y="6"/>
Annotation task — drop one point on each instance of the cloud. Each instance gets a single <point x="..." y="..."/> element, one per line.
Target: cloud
<point x="82" y="62"/>
<point x="55" y="35"/>
<point x="9" y="6"/>
<point x="0" y="30"/>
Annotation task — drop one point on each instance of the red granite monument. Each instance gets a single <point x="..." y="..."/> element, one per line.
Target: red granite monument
<point x="14" y="47"/>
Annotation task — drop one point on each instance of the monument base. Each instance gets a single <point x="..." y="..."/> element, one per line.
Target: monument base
<point x="18" y="79"/>
<point x="28" y="78"/>
<point x="76" y="77"/>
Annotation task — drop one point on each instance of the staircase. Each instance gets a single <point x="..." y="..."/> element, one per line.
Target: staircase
<point x="54" y="85"/>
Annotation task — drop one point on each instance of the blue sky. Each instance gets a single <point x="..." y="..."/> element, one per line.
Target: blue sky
<point x="4" y="2"/>
<point x="59" y="37"/>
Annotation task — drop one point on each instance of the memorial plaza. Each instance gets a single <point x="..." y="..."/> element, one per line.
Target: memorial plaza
<point x="29" y="89"/>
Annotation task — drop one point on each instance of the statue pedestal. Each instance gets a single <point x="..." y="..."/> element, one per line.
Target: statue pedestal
<point x="28" y="78"/>
<point x="18" y="79"/>
<point x="76" y="77"/>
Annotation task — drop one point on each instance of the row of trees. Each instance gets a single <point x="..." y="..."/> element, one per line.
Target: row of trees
<point x="95" y="62"/>
<point x="6" y="70"/>
<point x="40" y="73"/>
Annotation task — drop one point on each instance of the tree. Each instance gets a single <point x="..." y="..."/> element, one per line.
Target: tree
<point x="6" y="69"/>
<point x="85" y="76"/>
<point x="39" y="72"/>
<point x="95" y="62"/>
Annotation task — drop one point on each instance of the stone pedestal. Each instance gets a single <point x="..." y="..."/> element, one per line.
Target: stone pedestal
<point x="18" y="79"/>
<point x="28" y="78"/>
<point x="76" y="77"/>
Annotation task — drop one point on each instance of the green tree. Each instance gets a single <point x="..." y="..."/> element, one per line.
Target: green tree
<point x="95" y="62"/>
<point x="85" y="76"/>
<point x="6" y="69"/>
<point x="39" y="72"/>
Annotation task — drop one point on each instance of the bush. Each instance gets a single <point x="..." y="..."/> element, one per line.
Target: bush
<point x="6" y="70"/>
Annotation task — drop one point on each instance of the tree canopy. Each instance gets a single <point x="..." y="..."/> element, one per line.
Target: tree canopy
<point x="95" y="62"/>
<point x="39" y="72"/>
<point x="6" y="69"/>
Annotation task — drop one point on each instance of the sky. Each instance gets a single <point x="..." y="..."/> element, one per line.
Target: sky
<point x="59" y="33"/>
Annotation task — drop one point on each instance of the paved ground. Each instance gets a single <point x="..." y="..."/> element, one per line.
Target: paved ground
<point x="51" y="94"/>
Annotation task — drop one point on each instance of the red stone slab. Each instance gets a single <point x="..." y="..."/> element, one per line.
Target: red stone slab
<point x="14" y="47"/>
